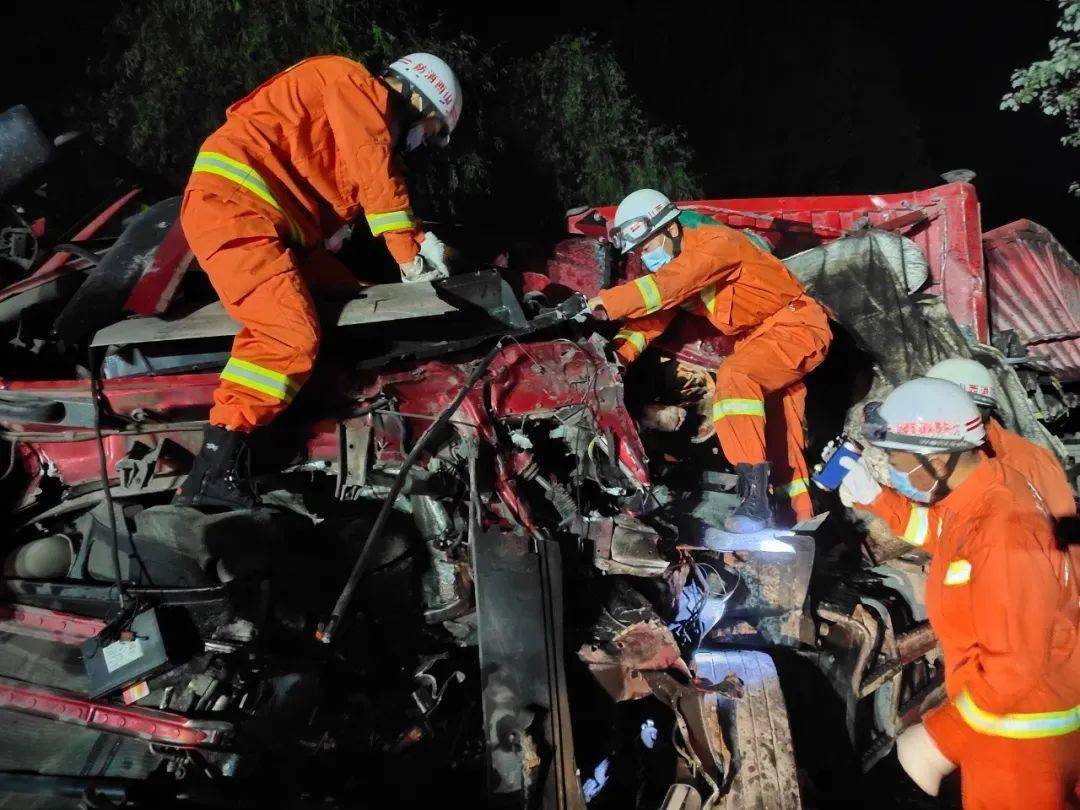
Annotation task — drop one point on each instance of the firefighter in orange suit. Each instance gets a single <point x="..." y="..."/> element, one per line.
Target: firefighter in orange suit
<point x="722" y="275"/>
<point x="1036" y="465"/>
<point x="1002" y="596"/>
<point x="297" y="159"/>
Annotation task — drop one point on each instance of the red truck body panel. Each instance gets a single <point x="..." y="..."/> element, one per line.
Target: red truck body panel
<point x="943" y="221"/>
<point x="1035" y="291"/>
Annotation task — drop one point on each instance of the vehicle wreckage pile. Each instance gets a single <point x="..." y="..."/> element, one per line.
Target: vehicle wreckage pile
<point x="547" y="608"/>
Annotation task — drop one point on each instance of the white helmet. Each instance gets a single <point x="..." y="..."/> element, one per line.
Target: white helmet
<point x="433" y="79"/>
<point x="970" y="375"/>
<point x="925" y="416"/>
<point x="639" y="216"/>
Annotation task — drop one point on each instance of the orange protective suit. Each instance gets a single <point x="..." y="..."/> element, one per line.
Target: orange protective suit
<point x="781" y="334"/>
<point x="297" y="159"/>
<point x="1037" y="464"/>
<point x="1004" y="601"/>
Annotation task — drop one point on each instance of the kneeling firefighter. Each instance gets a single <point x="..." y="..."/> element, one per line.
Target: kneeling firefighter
<point x="722" y="275"/>
<point x="297" y="159"/>
<point x="1002" y="596"/>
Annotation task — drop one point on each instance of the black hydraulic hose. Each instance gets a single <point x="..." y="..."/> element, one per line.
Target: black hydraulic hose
<point x="78" y="250"/>
<point x="326" y="630"/>
<point x="96" y="397"/>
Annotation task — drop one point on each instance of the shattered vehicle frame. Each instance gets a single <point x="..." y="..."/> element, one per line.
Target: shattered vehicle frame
<point x="476" y="567"/>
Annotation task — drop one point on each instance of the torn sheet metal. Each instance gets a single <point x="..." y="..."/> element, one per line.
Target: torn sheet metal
<point x="1035" y="291"/>
<point x="102" y="297"/>
<point x="619" y="665"/>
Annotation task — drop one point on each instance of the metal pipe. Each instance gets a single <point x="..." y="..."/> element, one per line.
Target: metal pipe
<point x="326" y="631"/>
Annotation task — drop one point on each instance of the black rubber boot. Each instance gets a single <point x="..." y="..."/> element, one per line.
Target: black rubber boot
<point x="753" y="512"/>
<point x="221" y="475"/>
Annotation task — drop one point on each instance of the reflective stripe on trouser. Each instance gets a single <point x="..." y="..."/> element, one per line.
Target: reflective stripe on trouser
<point x="247" y="178"/>
<point x="272" y="354"/>
<point x="259" y="378"/>
<point x="390" y="221"/>
<point x="723" y="408"/>
<point x="1026" y="726"/>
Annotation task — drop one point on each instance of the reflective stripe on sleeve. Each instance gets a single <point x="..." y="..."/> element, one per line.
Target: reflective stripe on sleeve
<point x="390" y="221"/>
<point x="635" y="339"/>
<point x="708" y="297"/>
<point x="650" y="293"/>
<point x="918" y="526"/>
<point x="261" y="379"/>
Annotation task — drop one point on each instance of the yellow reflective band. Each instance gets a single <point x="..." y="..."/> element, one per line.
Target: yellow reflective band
<point x="391" y="221"/>
<point x="650" y="293"/>
<point x="708" y="297"/>
<point x="958" y="573"/>
<point x="636" y="339"/>
<point x="799" y="486"/>
<point x="245" y="177"/>
<point x="737" y="407"/>
<point x="1018" y="726"/>
<point x="258" y="378"/>
<point x="918" y="526"/>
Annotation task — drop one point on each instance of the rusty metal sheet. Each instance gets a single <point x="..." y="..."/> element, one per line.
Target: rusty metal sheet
<point x="1035" y="291"/>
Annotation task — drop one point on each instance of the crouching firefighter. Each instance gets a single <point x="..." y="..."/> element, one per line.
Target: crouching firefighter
<point x="297" y="159"/>
<point x="1002" y="596"/>
<point x="720" y="274"/>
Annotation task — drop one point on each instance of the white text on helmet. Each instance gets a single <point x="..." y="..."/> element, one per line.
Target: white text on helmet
<point x="926" y="428"/>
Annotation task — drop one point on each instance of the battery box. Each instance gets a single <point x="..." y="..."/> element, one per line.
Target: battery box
<point x="138" y="654"/>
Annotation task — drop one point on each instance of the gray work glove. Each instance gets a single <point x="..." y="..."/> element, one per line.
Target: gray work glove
<point x="419" y="270"/>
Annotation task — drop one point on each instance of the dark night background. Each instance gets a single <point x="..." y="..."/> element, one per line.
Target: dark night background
<point x="775" y="98"/>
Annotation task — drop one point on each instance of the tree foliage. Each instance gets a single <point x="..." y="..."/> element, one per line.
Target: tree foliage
<point x="570" y="110"/>
<point x="540" y="133"/>
<point x="1053" y="84"/>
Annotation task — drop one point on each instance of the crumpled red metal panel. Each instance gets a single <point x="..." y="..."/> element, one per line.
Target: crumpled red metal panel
<point x="157" y="285"/>
<point x="1035" y="290"/>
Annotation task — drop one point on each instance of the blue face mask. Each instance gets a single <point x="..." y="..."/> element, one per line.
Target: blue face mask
<point x="901" y="482"/>
<point x="655" y="259"/>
